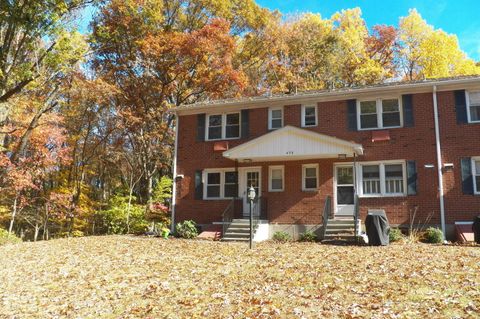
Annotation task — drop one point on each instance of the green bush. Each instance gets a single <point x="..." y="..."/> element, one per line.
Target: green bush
<point x="187" y="229"/>
<point x="281" y="236"/>
<point x="5" y="238"/>
<point x="308" y="236"/>
<point x="395" y="234"/>
<point x="433" y="235"/>
<point x="115" y="217"/>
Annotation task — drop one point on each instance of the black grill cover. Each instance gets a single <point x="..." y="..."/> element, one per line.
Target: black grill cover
<point x="377" y="228"/>
<point x="476" y="229"/>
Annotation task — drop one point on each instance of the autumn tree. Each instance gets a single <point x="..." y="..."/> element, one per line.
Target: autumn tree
<point x="163" y="54"/>
<point x="33" y="38"/>
<point x="429" y="53"/>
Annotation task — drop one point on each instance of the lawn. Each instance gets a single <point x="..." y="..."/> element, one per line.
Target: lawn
<point x="136" y="277"/>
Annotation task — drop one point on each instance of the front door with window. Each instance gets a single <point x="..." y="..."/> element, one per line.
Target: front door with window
<point x="344" y="191"/>
<point x="250" y="177"/>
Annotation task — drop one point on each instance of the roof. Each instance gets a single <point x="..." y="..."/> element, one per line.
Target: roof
<point x="333" y="94"/>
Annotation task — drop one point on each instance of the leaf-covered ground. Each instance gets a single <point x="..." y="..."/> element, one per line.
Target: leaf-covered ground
<point x="134" y="277"/>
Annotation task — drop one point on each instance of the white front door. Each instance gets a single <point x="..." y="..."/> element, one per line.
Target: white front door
<point x="344" y="190"/>
<point x="249" y="177"/>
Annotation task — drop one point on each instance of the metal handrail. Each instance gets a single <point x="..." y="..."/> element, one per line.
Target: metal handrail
<point x="227" y="216"/>
<point x="356" y="213"/>
<point x="326" y="213"/>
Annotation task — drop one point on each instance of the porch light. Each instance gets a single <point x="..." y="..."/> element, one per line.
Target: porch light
<point x="251" y="193"/>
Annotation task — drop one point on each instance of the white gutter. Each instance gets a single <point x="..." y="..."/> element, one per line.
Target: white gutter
<point x="439" y="161"/>
<point x="174" y="190"/>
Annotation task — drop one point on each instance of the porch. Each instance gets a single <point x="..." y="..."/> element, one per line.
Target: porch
<point x="308" y="178"/>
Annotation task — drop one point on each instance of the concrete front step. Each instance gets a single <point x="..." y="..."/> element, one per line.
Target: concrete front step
<point x="347" y="237"/>
<point x="341" y="221"/>
<point x="237" y="234"/>
<point x="235" y="239"/>
<point x="339" y="230"/>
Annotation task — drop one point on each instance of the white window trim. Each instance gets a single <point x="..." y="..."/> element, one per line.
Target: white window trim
<point x="270" y="169"/>
<point x="304" y="167"/>
<point x="222" y="172"/>
<point x="379" y="108"/>
<point x="303" y="115"/>
<point x="469" y="117"/>
<point x="383" y="192"/>
<point x="474" y="174"/>
<point x="270" y="117"/>
<point x="224" y="126"/>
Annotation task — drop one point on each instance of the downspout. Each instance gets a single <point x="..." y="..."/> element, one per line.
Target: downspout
<point x="174" y="190"/>
<point x="439" y="161"/>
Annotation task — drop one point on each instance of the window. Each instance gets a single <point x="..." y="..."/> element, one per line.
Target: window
<point x="379" y="113"/>
<point x="213" y="185"/>
<point x="394" y="179"/>
<point x="383" y="179"/>
<point x="390" y="113"/>
<point x="371" y="179"/>
<point x="232" y="127"/>
<point x="476" y="175"/>
<point x="368" y="114"/>
<point x="214" y="127"/>
<point x="230" y="186"/>
<point x="310" y="177"/>
<point x="473" y="106"/>
<point x="309" y="116"/>
<point x="221" y="184"/>
<point x="276" y="178"/>
<point x="223" y="126"/>
<point x="275" y="118"/>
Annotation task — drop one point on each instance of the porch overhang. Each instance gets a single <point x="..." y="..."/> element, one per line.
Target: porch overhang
<point x="291" y="144"/>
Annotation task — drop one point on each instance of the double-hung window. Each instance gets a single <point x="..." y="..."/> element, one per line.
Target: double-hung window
<point x="473" y="107"/>
<point x="276" y="174"/>
<point x="223" y="126"/>
<point x="309" y="115"/>
<point x="379" y="113"/>
<point x="383" y="179"/>
<point x="310" y="177"/>
<point x="221" y="184"/>
<point x="275" y="118"/>
<point x="476" y="175"/>
<point x="214" y="185"/>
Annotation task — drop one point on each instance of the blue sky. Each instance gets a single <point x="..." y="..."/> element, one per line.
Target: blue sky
<point x="461" y="17"/>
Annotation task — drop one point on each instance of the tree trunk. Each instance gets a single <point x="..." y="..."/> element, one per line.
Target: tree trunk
<point x="14" y="212"/>
<point x="129" y="207"/>
<point x="45" y="224"/>
<point x="37" y="231"/>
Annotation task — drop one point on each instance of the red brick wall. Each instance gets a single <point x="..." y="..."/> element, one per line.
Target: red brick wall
<point x="295" y="206"/>
<point x="458" y="140"/>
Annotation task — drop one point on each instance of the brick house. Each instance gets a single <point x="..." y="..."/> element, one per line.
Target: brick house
<point x="396" y="147"/>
